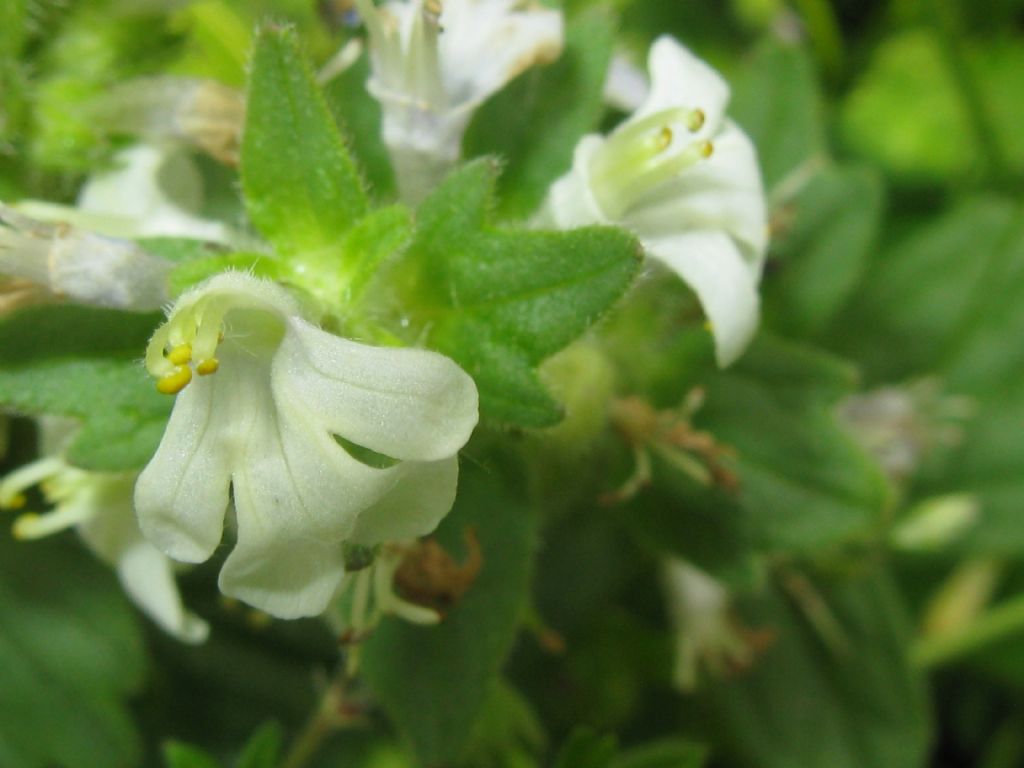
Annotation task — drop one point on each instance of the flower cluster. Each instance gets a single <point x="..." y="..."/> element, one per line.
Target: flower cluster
<point x="297" y="445"/>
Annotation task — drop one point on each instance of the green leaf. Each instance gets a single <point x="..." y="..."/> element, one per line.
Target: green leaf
<point x="536" y="121"/>
<point x="301" y="187"/>
<point x="586" y="749"/>
<point x="360" y="117"/>
<point x="707" y="526"/>
<point x="180" y="755"/>
<point x="949" y="296"/>
<point x="70" y="654"/>
<point x="665" y="754"/>
<point x="988" y="463"/>
<point x="806" y="703"/>
<point x="823" y="255"/>
<point x="85" y="363"/>
<point x="507" y="731"/>
<point x="373" y="239"/>
<point x="907" y="77"/>
<point x="777" y="102"/>
<point x="500" y="301"/>
<point x="803" y="480"/>
<point x="433" y="681"/>
<point x="263" y="749"/>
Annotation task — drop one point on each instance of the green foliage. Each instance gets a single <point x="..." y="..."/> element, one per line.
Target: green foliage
<point x="776" y="101"/>
<point x="261" y="751"/>
<point x="499" y="302"/>
<point x="433" y="681"/>
<point x="359" y="116"/>
<point x="803" y="480"/>
<point x="833" y="687"/>
<point x="824" y="252"/>
<point x="586" y="749"/>
<point x="534" y="124"/>
<point x="302" y="190"/>
<point x="85" y="363"/>
<point x="942" y="296"/>
<point x="910" y="75"/>
<point x="70" y="655"/>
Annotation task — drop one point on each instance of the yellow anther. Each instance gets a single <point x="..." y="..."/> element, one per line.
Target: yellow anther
<point x="15" y="502"/>
<point x="696" y="121"/>
<point x="173" y="383"/>
<point x="180" y="355"/>
<point x="706" y="149"/>
<point x="208" y="366"/>
<point x="664" y="140"/>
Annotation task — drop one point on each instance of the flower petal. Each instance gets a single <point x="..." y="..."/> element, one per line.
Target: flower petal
<point x="680" y="79"/>
<point x="141" y="196"/>
<point x="182" y="494"/>
<point x="290" y="580"/>
<point x="298" y="495"/>
<point x="415" y="505"/>
<point x="486" y="43"/>
<point x="711" y="264"/>
<point x="723" y="192"/>
<point x="404" y="403"/>
<point x="570" y="201"/>
<point x="148" y="577"/>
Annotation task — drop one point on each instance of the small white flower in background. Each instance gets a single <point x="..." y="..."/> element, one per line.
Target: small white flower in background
<point x="80" y="266"/>
<point x="265" y="427"/>
<point x="99" y="506"/>
<point x="434" y="64"/>
<point x="706" y="633"/>
<point x="685" y="179"/>
<point x="83" y="253"/>
<point x="148" y="191"/>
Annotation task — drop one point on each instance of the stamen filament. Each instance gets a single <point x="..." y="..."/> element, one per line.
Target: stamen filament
<point x="36" y="526"/>
<point x="14" y="484"/>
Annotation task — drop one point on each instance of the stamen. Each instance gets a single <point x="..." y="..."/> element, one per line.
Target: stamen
<point x="16" y="502"/>
<point x="208" y="366"/>
<point x="12" y="487"/>
<point x="696" y="121"/>
<point x="664" y="140"/>
<point x="180" y="355"/>
<point x="173" y="383"/>
<point x="35" y="526"/>
<point x="644" y="154"/>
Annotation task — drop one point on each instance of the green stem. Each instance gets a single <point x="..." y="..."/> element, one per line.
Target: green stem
<point x="979" y="118"/>
<point x="996" y="624"/>
<point x="331" y="714"/>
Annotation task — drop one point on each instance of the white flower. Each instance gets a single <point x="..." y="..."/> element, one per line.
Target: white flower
<point x="266" y="425"/>
<point x="81" y="266"/>
<point x="99" y="505"/>
<point x="685" y="179"/>
<point x="434" y="64"/>
<point x="698" y="607"/>
<point x="84" y="253"/>
<point x="149" y="191"/>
